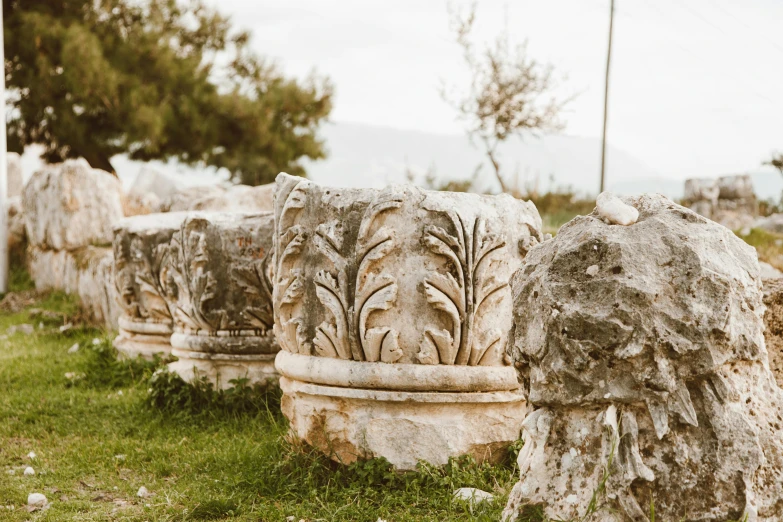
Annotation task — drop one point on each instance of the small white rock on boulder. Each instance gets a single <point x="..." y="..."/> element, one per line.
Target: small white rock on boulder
<point x="655" y="369"/>
<point x="71" y="205"/>
<point x="614" y="211"/>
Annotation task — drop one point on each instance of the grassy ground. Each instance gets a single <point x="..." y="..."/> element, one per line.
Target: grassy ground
<point x="768" y="245"/>
<point x="99" y="436"/>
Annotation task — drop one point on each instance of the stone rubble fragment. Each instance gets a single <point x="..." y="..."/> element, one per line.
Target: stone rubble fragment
<point x="37" y="500"/>
<point x="74" y="348"/>
<point x="728" y="200"/>
<point x="392" y="309"/>
<point x="656" y="372"/>
<point x="26" y="329"/>
<point x="143" y="492"/>
<point x="473" y="496"/>
<point x="773" y="223"/>
<point x="769" y="272"/>
<point x="29" y="471"/>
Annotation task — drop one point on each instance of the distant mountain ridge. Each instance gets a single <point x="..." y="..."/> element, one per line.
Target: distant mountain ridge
<point x="362" y="155"/>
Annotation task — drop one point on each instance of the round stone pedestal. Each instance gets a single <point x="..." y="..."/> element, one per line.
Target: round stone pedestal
<point x="142" y="339"/>
<point x="225" y="358"/>
<point x="405" y="413"/>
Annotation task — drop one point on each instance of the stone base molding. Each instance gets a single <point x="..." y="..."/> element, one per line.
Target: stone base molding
<point x="143" y="339"/>
<point x="366" y="410"/>
<point x="223" y="358"/>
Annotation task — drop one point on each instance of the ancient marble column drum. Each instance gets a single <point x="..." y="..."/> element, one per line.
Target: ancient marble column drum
<point x="140" y="250"/>
<point x="393" y="311"/>
<point x="221" y="298"/>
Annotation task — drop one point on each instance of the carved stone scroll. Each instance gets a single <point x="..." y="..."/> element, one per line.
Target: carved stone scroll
<point x="140" y="250"/>
<point x="383" y="280"/>
<point x="220" y="297"/>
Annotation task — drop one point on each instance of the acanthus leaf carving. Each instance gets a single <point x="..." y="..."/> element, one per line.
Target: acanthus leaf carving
<point x="288" y="289"/>
<point x="332" y="337"/>
<point x="464" y="292"/>
<point x="252" y="279"/>
<point x="373" y="292"/>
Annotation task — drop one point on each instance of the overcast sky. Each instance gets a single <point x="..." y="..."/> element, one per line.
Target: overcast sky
<point x="696" y="87"/>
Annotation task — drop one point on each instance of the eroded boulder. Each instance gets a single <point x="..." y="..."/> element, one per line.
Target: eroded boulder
<point x="653" y="369"/>
<point x="70" y="205"/>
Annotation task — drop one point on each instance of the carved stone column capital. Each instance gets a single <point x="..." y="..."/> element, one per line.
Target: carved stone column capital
<point x="140" y="250"/>
<point x="402" y="290"/>
<point x="221" y="298"/>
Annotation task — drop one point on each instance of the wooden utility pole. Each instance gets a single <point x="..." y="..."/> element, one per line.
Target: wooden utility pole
<point x="606" y="95"/>
<point x="3" y="172"/>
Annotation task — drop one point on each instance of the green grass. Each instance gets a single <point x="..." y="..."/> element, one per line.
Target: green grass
<point x="100" y="435"/>
<point x="768" y="245"/>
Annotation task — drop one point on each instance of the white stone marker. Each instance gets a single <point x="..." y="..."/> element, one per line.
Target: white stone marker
<point x="393" y="311"/>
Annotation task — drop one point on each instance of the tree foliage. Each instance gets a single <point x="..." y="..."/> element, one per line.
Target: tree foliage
<point x="155" y="79"/>
<point x="510" y="94"/>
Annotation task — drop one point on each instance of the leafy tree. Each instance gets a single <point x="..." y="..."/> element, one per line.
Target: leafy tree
<point x="155" y="79"/>
<point x="510" y="94"/>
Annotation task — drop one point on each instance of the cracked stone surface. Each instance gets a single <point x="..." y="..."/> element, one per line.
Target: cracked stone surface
<point x="218" y="291"/>
<point x="371" y="288"/>
<point x="773" y="326"/>
<point x="653" y="369"/>
<point x="70" y="205"/>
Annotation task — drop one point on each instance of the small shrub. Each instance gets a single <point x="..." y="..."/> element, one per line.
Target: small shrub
<point x="168" y="392"/>
<point x="103" y="369"/>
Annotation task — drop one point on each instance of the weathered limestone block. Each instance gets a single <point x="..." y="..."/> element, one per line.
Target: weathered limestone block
<point x="220" y="297"/>
<point x="15" y="176"/>
<point x="641" y="349"/>
<point x="17" y="237"/>
<point x="736" y="187"/>
<point x="141" y="245"/>
<point x="86" y="272"/>
<point x="773" y="326"/>
<point x="238" y="198"/>
<point x="184" y="198"/>
<point x="702" y="189"/>
<point x="70" y="205"/>
<point x="151" y="181"/>
<point x="728" y="200"/>
<point x="393" y="310"/>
